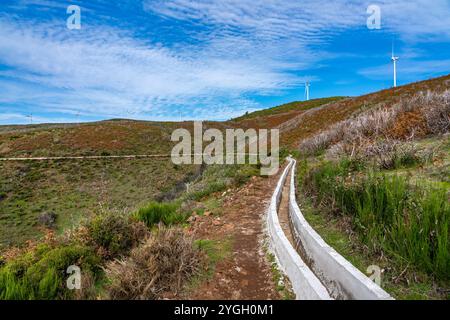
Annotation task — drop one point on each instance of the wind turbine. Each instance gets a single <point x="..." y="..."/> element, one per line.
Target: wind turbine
<point x="394" y="60"/>
<point x="307" y="85"/>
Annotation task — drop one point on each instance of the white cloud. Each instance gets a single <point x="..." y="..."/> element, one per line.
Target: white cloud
<point x="106" y="71"/>
<point x="310" y="21"/>
<point x="418" y="20"/>
<point x="18" y="118"/>
<point x="407" y="69"/>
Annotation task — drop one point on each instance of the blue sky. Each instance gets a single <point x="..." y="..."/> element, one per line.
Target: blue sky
<point x="216" y="59"/>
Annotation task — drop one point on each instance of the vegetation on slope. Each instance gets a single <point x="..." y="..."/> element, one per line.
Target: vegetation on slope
<point x="415" y="117"/>
<point x="121" y="252"/>
<point x="56" y="194"/>
<point x="118" y="256"/>
<point x="321" y="119"/>
<point x="382" y="175"/>
<point x="292" y="106"/>
<point x="390" y="214"/>
<point x="373" y="174"/>
<point x="66" y="191"/>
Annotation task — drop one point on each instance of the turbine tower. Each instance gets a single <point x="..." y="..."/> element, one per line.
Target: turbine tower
<point x="307" y="84"/>
<point x="394" y="60"/>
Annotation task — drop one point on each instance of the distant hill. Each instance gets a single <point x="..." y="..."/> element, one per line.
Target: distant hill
<point x="287" y="107"/>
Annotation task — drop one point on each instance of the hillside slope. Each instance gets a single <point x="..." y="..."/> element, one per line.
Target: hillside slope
<point x="375" y="183"/>
<point x="317" y="115"/>
<point x="318" y="120"/>
<point x="403" y="159"/>
<point x="69" y="190"/>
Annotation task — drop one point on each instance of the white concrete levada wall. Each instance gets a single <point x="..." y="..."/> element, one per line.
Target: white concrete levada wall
<point x="340" y="277"/>
<point x="304" y="283"/>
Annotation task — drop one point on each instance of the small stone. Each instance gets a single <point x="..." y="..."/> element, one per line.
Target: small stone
<point x="244" y="283"/>
<point x="48" y="219"/>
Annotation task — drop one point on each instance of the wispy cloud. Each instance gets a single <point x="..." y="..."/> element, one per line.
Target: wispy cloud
<point x="310" y="20"/>
<point x="112" y="71"/>
<point x="275" y="19"/>
<point x="19" y="118"/>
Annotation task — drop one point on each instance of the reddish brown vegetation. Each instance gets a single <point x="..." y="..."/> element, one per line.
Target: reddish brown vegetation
<point x="409" y="124"/>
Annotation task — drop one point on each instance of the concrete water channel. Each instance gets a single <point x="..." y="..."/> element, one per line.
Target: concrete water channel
<point x="315" y="270"/>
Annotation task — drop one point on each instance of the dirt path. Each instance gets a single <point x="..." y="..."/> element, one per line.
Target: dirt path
<point x="133" y="156"/>
<point x="246" y="273"/>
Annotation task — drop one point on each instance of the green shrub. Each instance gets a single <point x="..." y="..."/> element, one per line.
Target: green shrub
<point x="41" y="274"/>
<point x="217" y="178"/>
<point x="113" y="232"/>
<point x="244" y="173"/>
<point x="160" y="212"/>
<point x="401" y="159"/>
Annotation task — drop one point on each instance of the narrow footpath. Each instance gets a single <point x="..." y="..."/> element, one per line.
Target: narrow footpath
<point x="246" y="273"/>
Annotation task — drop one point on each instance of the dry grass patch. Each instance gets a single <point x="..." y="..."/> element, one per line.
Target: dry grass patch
<point x="161" y="265"/>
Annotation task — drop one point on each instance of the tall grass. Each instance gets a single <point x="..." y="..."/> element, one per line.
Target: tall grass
<point x="409" y="221"/>
<point x="160" y="212"/>
<point x="209" y="189"/>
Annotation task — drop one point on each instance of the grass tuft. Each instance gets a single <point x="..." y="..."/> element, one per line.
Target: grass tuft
<point x="160" y="212"/>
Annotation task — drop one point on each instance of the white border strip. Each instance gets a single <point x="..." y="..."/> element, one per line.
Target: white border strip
<point x="342" y="279"/>
<point x="304" y="283"/>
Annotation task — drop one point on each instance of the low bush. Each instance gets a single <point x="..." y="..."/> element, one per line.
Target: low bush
<point x="392" y="154"/>
<point x="438" y="117"/>
<point x="160" y="212"/>
<point x="244" y="173"/>
<point x="39" y="271"/>
<point x="218" y="178"/>
<point x="160" y="265"/>
<point x="210" y="188"/>
<point x="113" y="234"/>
